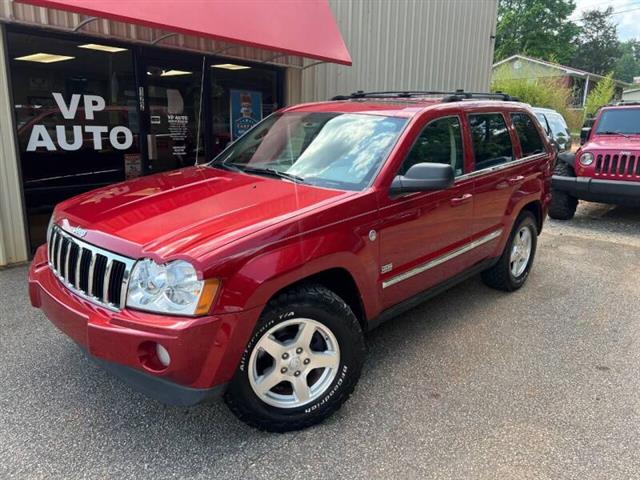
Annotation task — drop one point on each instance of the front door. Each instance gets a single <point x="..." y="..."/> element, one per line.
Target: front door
<point x="423" y="235"/>
<point x="175" y="114"/>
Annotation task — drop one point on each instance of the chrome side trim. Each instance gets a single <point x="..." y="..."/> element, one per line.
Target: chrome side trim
<point x="502" y="166"/>
<point x="442" y="259"/>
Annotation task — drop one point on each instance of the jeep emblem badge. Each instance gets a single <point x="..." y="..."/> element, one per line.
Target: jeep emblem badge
<point x="78" y="231"/>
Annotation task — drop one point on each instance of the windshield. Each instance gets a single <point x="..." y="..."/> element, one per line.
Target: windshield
<point x="621" y="120"/>
<point x="335" y="150"/>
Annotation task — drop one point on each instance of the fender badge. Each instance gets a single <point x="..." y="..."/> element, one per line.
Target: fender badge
<point x="373" y="235"/>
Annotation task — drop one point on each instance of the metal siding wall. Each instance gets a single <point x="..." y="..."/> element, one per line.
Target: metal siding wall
<point x="13" y="243"/>
<point x="409" y="44"/>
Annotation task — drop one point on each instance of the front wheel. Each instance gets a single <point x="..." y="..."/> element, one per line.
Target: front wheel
<point x="513" y="267"/>
<point x="301" y="364"/>
<point x="563" y="206"/>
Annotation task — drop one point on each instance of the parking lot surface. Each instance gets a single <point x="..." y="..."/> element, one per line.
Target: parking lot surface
<point x="541" y="383"/>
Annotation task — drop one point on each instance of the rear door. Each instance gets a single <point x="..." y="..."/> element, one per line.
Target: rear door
<point x="508" y="153"/>
<point x="421" y="233"/>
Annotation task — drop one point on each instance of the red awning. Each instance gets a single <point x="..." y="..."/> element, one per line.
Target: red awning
<point x="305" y="28"/>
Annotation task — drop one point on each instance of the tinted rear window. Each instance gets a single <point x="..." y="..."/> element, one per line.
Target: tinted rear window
<point x="491" y="140"/>
<point x="528" y="135"/>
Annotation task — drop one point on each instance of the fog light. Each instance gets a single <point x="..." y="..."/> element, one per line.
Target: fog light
<point x="163" y="355"/>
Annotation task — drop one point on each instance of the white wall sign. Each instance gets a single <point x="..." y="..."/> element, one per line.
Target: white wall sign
<point x="120" y="137"/>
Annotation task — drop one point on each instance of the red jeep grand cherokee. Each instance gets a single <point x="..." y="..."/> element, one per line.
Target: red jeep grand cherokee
<point x="606" y="168"/>
<point x="257" y="274"/>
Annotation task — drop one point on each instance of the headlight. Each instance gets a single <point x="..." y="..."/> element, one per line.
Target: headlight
<point x="170" y="288"/>
<point x="586" y="158"/>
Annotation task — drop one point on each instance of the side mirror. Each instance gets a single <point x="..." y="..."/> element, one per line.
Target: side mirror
<point x="584" y="134"/>
<point x="423" y="177"/>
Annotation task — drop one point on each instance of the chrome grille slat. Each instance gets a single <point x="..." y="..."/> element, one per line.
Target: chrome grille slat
<point x="78" y="262"/>
<point x="68" y="258"/>
<point x="67" y="254"/>
<point x="107" y="278"/>
<point x="92" y="267"/>
<point x="58" y="253"/>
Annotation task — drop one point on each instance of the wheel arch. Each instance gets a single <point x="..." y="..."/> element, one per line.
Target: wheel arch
<point x="535" y="208"/>
<point x="568" y="158"/>
<point x="341" y="282"/>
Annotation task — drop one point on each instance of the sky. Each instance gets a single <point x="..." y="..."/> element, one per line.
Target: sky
<point x="628" y="21"/>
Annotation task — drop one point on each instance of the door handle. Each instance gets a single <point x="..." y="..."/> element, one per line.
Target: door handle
<point x="514" y="180"/>
<point x="466" y="198"/>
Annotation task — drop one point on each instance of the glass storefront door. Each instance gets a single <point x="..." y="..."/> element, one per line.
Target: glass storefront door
<point x="175" y="137"/>
<point x="81" y="123"/>
<point x="75" y="105"/>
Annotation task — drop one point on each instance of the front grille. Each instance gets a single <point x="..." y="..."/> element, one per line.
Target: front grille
<point x="88" y="271"/>
<point x="617" y="165"/>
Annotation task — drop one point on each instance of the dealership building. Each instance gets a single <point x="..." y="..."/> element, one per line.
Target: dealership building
<point x="96" y="92"/>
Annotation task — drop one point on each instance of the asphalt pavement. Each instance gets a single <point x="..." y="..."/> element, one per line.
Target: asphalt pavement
<point x="542" y="383"/>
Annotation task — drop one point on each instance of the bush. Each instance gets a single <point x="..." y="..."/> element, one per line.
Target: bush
<point x="549" y="92"/>
<point x="601" y="95"/>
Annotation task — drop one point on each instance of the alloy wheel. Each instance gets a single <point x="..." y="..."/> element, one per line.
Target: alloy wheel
<point x="294" y="363"/>
<point x="520" y="251"/>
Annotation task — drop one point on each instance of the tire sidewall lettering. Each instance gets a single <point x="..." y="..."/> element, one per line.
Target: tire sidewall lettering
<point x="258" y="335"/>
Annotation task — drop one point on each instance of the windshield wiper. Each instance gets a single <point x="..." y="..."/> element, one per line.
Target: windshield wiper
<point x="611" y="132"/>
<point x="273" y="172"/>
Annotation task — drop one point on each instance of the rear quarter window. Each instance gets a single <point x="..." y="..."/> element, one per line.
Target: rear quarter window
<point x="528" y="134"/>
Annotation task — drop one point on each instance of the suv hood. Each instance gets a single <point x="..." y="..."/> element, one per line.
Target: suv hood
<point x="170" y="213"/>
<point x="613" y="142"/>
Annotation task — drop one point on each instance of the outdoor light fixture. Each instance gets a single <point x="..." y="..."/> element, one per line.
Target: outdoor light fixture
<point x="230" y="66"/>
<point x="174" y="73"/>
<point x="44" y="58"/>
<point x="102" y="48"/>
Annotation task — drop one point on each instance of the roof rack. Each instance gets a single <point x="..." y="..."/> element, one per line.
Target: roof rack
<point x="455" y="96"/>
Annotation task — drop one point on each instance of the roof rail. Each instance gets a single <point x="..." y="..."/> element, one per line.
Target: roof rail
<point x="447" y="96"/>
<point x="620" y="103"/>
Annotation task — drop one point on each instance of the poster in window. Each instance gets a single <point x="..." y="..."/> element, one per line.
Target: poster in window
<point x="246" y="111"/>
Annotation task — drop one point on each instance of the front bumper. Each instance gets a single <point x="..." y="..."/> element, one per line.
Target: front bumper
<point x="599" y="190"/>
<point x="204" y="351"/>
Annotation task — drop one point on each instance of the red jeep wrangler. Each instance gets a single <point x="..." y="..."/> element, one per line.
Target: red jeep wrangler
<point x="258" y="274"/>
<point x="606" y="168"/>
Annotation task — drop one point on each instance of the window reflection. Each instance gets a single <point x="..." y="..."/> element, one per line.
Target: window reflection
<point x="326" y="149"/>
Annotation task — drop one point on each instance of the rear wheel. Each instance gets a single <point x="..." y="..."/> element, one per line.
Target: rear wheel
<point x="514" y="265"/>
<point x="563" y="206"/>
<point x="301" y="364"/>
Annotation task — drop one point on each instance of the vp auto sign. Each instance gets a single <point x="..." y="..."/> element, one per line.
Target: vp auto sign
<point x="120" y="137"/>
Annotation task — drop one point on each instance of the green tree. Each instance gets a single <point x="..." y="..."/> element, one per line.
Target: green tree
<point x="538" y="28"/>
<point x="601" y="95"/>
<point x="628" y="65"/>
<point x="626" y="68"/>
<point x="597" y="46"/>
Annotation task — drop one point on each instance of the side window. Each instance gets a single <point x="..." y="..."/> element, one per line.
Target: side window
<point x="528" y="135"/>
<point x="439" y="142"/>
<point x="491" y="140"/>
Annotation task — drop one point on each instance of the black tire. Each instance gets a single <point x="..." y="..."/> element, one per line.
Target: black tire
<point x="500" y="276"/>
<point x="563" y="206"/>
<point x="306" y="302"/>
